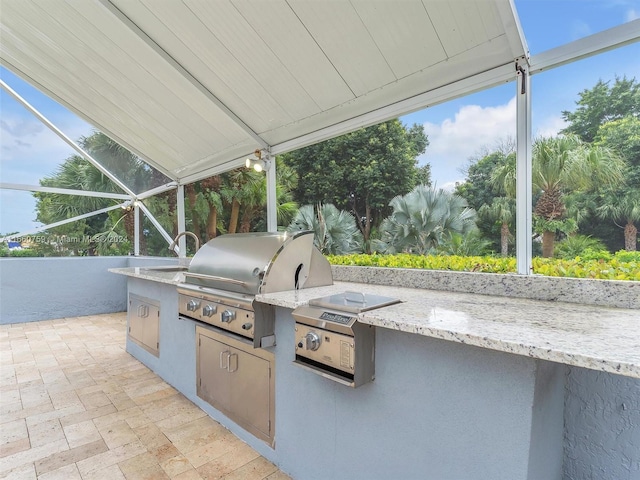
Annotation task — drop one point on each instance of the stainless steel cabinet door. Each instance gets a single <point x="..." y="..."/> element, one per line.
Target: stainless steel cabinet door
<point x="213" y="378"/>
<point x="250" y="388"/>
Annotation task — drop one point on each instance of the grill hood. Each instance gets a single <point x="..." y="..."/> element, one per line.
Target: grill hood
<point x="263" y="262"/>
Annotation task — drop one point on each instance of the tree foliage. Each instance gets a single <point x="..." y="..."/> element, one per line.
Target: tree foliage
<point x="335" y="231"/>
<point x="361" y="171"/>
<point x="602" y="104"/>
<point x="422" y="220"/>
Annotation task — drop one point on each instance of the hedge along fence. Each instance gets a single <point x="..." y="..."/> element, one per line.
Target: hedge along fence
<point x="621" y="266"/>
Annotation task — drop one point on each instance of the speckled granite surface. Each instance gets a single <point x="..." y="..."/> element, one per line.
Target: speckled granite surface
<point x="146" y="273"/>
<point x="595" y="337"/>
<point x="611" y="293"/>
<point x="589" y="336"/>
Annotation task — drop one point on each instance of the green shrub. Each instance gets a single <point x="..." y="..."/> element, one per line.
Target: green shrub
<point x="577" y="245"/>
<point x="615" y="269"/>
<point x="27" y="252"/>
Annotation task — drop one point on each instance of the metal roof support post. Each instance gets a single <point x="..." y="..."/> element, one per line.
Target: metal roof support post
<point x="136" y="235"/>
<point x="523" y="172"/>
<point x="182" y="223"/>
<point x="272" y="210"/>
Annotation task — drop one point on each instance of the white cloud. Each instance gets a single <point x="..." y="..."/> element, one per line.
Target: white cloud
<point x="550" y="127"/>
<point x="453" y="142"/>
<point x="631" y="14"/>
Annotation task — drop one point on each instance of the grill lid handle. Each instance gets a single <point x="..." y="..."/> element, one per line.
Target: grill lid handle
<point x="214" y="277"/>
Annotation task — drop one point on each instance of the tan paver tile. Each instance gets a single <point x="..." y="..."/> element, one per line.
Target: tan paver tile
<point x="279" y="475"/>
<point x="50" y="414"/>
<point x="221" y="446"/>
<point x="138" y="421"/>
<point x="12" y="431"/>
<point x="23" y="472"/>
<point x="29" y="456"/>
<point x="164" y="452"/>
<point x="10" y="396"/>
<point x="45" y="432"/>
<point x="181" y="418"/>
<point x="63" y="399"/>
<point x="117" y="416"/>
<point x="72" y="379"/>
<point x="151" y="436"/>
<point x="70" y="457"/>
<point x="94" y="400"/>
<point x="227" y="463"/>
<point x="144" y="466"/>
<point x="116" y="434"/>
<point x="112" y="472"/>
<point x="69" y="472"/>
<point x="256" y="469"/>
<point x="111" y="457"/>
<point x="14" y="446"/>
<point x="191" y="474"/>
<point x="86" y="415"/>
<point x="81" y="433"/>
<point x="199" y="427"/>
<point x="176" y="465"/>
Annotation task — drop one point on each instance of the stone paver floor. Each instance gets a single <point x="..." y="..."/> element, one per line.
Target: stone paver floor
<point x="75" y="405"/>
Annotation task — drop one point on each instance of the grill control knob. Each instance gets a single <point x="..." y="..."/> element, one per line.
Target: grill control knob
<point x="209" y="310"/>
<point x="311" y="341"/>
<point x="192" y="305"/>
<point x="227" y="316"/>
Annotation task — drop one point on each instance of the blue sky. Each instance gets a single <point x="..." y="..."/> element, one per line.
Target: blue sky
<point x="458" y="130"/>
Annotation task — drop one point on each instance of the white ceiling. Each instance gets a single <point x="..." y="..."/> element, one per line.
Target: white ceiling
<point x="194" y="86"/>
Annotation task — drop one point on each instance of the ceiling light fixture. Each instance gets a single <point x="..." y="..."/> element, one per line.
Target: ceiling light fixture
<point x="258" y="164"/>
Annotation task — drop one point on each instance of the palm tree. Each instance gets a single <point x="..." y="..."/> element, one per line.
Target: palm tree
<point x="335" y="231"/>
<point x="626" y="208"/>
<point x="562" y="164"/>
<point x="502" y="210"/>
<point x="422" y="219"/>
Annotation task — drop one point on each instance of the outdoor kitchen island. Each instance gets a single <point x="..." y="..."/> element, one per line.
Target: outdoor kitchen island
<point x="466" y="387"/>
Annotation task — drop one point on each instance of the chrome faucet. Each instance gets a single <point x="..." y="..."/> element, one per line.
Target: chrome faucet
<point x="181" y="234"/>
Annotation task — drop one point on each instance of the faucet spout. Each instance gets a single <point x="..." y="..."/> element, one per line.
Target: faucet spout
<point x="181" y="234"/>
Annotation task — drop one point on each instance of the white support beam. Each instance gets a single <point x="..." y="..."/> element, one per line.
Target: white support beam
<point x="475" y="83"/>
<point x="49" y="93"/>
<point x="155" y="191"/>
<point x="182" y="71"/>
<point x="63" y="191"/>
<point x="64" y="222"/>
<point x="156" y="224"/>
<point x="272" y="208"/>
<point x="66" y="139"/>
<point x="136" y="227"/>
<point x="600" y="42"/>
<point x="524" y="187"/>
<point x="182" y="222"/>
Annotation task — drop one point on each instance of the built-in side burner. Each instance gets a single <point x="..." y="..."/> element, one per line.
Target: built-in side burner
<point x="331" y="342"/>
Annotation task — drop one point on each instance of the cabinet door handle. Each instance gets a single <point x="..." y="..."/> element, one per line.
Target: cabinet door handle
<point x="222" y="365"/>
<point x="232" y="355"/>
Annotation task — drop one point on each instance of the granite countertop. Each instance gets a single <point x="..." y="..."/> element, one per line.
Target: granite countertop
<point x="170" y="274"/>
<point x="588" y="336"/>
<point x="599" y="338"/>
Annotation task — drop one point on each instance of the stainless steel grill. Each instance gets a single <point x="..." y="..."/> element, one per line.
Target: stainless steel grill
<point x="228" y="272"/>
<point x="331" y="342"/>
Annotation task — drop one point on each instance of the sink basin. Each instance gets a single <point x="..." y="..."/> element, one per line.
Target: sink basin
<point x="166" y="268"/>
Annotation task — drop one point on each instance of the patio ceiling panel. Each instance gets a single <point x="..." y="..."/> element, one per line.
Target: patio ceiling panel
<point x="194" y="86"/>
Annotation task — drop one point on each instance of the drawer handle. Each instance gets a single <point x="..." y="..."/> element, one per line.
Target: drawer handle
<point x="229" y="363"/>
<point x="222" y="365"/>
